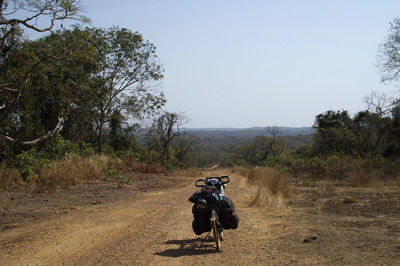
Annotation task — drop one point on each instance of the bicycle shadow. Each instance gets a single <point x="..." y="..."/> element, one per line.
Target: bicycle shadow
<point x="188" y="247"/>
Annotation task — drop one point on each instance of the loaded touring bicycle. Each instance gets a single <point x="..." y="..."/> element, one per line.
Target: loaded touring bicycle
<point x="212" y="210"/>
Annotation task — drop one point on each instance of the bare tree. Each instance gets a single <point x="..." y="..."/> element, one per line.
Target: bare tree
<point x="182" y="146"/>
<point x="389" y="53"/>
<point x="379" y="103"/>
<point x="164" y="130"/>
<point x="37" y="15"/>
<point x="274" y="146"/>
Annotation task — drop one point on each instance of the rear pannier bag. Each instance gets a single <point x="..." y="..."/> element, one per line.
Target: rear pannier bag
<point x="227" y="214"/>
<point x="201" y="222"/>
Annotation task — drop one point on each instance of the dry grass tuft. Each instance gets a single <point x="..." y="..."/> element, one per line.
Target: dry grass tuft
<point x="349" y="200"/>
<point x="67" y="172"/>
<point x="363" y="178"/>
<point x="328" y="188"/>
<point x="4" y="206"/>
<point x="9" y="177"/>
<point x="272" y="187"/>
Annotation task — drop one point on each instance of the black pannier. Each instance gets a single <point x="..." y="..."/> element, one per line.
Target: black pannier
<point x="227" y="214"/>
<point x="201" y="215"/>
<point x="202" y="199"/>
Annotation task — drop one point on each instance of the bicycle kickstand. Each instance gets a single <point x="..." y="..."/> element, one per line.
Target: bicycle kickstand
<point x="204" y="240"/>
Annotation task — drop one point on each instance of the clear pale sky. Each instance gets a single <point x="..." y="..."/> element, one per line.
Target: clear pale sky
<point x="259" y="63"/>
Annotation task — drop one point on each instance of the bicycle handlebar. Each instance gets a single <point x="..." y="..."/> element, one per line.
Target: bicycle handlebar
<point x="225" y="177"/>
<point x="201" y="182"/>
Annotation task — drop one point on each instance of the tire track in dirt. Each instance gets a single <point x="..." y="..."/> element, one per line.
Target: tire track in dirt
<point x="56" y="240"/>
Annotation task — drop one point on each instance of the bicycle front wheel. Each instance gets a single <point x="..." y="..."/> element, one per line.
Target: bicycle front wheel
<point x="216" y="234"/>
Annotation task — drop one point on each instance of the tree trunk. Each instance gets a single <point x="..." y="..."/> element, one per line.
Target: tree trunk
<point x="100" y="139"/>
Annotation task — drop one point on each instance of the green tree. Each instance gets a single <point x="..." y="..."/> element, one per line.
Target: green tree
<point x="257" y="152"/>
<point x="333" y="134"/>
<point x="58" y="67"/>
<point x="254" y="153"/>
<point x="19" y="63"/>
<point x="125" y="78"/>
<point x="372" y="133"/>
<point x="81" y="76"/>
<point x="393" y="147"/>
<point x="365" y="135"/>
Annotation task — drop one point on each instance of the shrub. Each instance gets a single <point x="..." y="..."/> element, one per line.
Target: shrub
<point x="84" y="149"/>
<point x="306" y="182"/>
<point x="25" y="162"/>
<point x="338" y="166"/>
<point x="30" y="162"/>
<point x="333" y="166"/>
<point x="363" y="177"/>
<point x="57" y="148"/>
<point x="113" y="173"/>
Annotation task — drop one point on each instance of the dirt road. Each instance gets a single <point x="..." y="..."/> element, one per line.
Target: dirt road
<point x="154" y="228"/>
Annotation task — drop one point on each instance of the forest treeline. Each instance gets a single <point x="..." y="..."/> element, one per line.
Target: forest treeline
<point x="82" y="91"/>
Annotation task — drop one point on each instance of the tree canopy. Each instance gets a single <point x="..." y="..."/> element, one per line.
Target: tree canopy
<point x="80" y="79"/>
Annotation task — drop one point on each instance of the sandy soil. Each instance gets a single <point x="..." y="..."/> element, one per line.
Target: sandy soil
<point x="149" y="223"/>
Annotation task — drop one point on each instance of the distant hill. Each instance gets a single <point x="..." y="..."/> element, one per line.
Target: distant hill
<point x="248" y="132"/>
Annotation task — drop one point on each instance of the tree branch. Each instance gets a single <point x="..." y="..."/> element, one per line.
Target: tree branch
<point x="8" y="89"/>
<point x="42" y="138"/>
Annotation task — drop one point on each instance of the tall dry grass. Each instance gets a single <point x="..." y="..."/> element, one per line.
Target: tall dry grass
<point x="67" y="172"/>
<point x="242" y="170"/>
<point x="126" y="163"/>
<point x="9" y="176"/>
<point x="364" y="178"/>
<point x="272" y="187"/>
